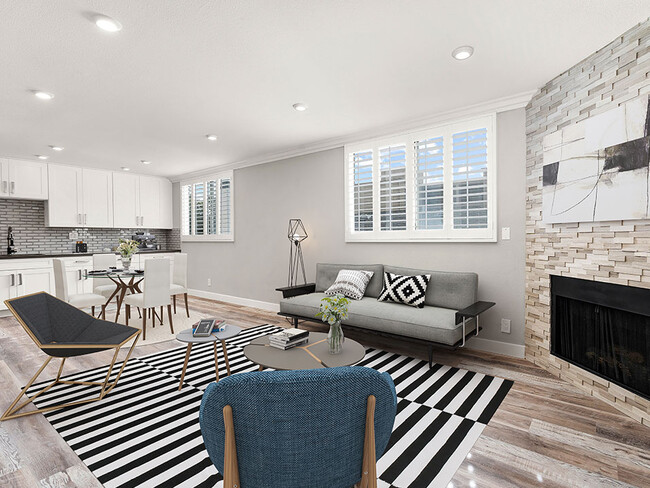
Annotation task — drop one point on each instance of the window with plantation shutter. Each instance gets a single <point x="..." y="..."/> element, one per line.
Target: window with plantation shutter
<point x="392" y="187"/>
<point x="362" y="192"/>
<point x="206" y="209"/>
<point x="433" y="184"/>
<point x="470" y="176"/>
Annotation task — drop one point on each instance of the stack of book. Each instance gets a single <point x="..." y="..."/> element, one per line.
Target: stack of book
<point x="286" y="339"/>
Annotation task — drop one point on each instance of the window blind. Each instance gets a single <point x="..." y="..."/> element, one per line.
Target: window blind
<point x="224" y="216"/>
<point x="429" y="183"/>
<point x="392" y="187"/>
<point x="470" y="179"/>
<point x="186" y="210"/>
<point x="199" y="217"/>
<point x="206" y="208"/>
<point x="362" y="193"/>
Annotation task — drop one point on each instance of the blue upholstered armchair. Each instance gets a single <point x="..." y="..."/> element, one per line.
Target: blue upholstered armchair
<point x="321" y="428"/>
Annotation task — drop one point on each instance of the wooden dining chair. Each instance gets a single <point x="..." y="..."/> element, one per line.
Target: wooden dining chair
<point x="155" y="293"/>
<point x="79" y="300"/>
<point x="319" y="428"/>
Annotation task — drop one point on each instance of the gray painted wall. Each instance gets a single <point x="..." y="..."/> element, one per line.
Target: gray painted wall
<point x="311" y="188"/>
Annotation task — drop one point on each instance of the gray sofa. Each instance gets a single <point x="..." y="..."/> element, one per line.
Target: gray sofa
<point x="440" y="321"/>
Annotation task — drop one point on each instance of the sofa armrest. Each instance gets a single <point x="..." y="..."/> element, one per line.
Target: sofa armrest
<point x="294" y="291"/>
<point x="474" y="310"/>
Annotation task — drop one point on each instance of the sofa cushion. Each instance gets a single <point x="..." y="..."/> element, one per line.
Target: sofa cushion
<point x="409" y="290"/>
<point x="434" y="324"/>
<point x="446" y="289"/>
<point x="351" y="283"/>
<point x="326" y="275"/>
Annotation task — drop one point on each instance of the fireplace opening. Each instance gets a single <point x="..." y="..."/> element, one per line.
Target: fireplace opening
<point x="603" y="328"/>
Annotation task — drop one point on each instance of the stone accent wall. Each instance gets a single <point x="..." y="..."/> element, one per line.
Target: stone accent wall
<point x="31" y="236"/>
<point x="614" y="252"/>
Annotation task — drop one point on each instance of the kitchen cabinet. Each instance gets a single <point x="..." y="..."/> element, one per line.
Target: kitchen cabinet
<point x="77" y="274"/>
<point x="24" y="277"/>
<point x="23" y="179"/>
<point x="142" y="201"/>
<point x="79" y="197"/>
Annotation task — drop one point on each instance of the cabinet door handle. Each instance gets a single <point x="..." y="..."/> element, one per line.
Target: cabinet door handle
<point x="20" y="279"/>
<point x="85" y="274"/>
<point x="79" y="271"/>
<point x="85" y="218"/>
<point x="13" y="187"/>
<point x="4" y="187"/>
<point x="78" y="218"/>
<point x="142" y="220"/>
<point x="13" y="280"/>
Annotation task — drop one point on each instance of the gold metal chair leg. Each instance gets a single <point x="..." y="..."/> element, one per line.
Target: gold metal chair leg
<point x="9" y="413"/>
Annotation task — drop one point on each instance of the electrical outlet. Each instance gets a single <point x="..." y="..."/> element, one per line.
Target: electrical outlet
<point x="505" y="233"/>
<point x="209" y="281"/>
<point x="505" y="326"/>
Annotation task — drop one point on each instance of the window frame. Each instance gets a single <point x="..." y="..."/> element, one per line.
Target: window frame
<point x="411" y="234"/>
<point x="218" y="177"/>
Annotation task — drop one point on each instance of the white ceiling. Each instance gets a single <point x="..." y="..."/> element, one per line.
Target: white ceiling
<point x="182" y="69"/>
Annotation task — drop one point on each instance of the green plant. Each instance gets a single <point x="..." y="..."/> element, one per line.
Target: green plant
<point x="333" y="309"/>
<point x="127" y="247"/>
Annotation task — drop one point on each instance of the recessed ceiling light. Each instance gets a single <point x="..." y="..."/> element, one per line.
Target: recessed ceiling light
<point x="211" y="137"/>
<point x="56" y="148"/>
<point x="462" y="52"/>
<point x="144" y="161"/>
<point x="106" y="23"/>
<point x="43" y="95"/>
<point x="300" y="107"/>
<point x="124" y="168"/>
<point x="40" y="156"/>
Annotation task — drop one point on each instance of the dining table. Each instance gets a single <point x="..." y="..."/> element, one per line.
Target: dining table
<point x="126" y="281"/>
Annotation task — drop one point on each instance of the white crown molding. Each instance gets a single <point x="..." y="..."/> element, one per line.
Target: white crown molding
<point x="504" y="104"/>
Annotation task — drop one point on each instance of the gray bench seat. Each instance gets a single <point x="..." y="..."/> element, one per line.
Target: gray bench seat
<point x="435" y="324"/>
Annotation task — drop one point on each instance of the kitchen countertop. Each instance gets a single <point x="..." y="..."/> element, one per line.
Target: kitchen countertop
<point x="74" y="254"/>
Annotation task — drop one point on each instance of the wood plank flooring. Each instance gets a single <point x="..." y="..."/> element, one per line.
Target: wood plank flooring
<point x="544" y="434"/>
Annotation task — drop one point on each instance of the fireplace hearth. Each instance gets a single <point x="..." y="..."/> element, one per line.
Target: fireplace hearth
<point x="603" y="328"/>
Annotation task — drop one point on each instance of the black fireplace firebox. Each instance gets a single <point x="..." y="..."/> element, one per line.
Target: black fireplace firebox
<point x="603" y="328"/>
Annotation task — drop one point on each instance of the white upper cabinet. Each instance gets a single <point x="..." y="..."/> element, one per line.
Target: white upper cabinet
<point x="64" y="207"/>
<point x="79" y="197"/>
<point x="142" y="201"/>
<point x="23" y="179"/>
<point x="97" y="197"/>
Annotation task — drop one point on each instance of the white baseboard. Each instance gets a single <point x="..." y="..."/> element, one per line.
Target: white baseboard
<point x="247" y="302"/>
<point x="498" y="347"/>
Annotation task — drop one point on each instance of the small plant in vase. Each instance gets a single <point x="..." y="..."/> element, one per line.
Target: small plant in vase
<point x="334" y="310"/>
<point x="127" y="248"/>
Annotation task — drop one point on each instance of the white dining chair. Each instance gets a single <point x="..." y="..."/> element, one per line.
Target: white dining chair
<point x="104" y="286"/>
<point x="79" y="300"/>
<point x="179" y="283"/>
<point x="155" y="293"/>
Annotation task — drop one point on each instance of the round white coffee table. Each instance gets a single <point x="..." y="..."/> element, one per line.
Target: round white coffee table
<point x="186" y="336"/>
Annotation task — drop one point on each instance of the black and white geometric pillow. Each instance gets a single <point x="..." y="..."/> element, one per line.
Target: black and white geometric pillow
<point x="409" y="290"/>
<point x="351" y="283"/>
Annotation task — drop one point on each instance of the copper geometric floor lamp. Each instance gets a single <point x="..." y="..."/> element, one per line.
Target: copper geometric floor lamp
<point x="296" y="235"/>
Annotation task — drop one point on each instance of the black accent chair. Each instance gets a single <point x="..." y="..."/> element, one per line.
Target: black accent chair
<point x="62" y="331"/>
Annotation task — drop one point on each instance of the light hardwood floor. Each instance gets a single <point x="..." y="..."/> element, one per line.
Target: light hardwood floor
<point x="544" y="434"/>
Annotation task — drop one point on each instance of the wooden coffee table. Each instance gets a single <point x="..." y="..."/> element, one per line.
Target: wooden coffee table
<point x="312" y="355"/>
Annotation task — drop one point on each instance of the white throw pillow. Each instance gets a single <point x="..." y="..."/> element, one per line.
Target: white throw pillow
<point x="351" y="283"/>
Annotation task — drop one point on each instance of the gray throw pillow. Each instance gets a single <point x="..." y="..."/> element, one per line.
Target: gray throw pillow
<point x="351" y="283"/>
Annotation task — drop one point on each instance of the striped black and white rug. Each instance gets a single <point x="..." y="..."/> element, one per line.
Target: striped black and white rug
<point x="146" y="433"/>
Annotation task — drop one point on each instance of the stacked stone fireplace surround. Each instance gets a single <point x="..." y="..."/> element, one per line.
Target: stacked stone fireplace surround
<point x="614" y="252"/>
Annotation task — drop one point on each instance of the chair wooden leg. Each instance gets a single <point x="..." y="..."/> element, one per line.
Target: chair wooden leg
<point x="369" y="466"/>
<point x="187" y="309"/>
<point x="152" y="316"/>
<point x="161" y="315"/>
<point x="169" y="314"/>
<point x="144" y="326"/>
<point x="174" y="300"/>
<point x="104" y="312"/>
<point x="127" y="313"/>
<point x="92" y="311"/>
<point x="230" y="467"/>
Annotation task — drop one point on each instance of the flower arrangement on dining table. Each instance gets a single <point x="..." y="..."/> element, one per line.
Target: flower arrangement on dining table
<point x="127" y="248"/>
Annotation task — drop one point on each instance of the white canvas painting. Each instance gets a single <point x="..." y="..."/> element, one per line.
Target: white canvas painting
<point x="598" y="169"/>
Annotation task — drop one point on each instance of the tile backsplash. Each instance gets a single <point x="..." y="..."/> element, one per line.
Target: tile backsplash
<point x="31" y="236"/>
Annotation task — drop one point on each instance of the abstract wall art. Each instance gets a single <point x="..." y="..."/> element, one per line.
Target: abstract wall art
<point x="598" y="169"/>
